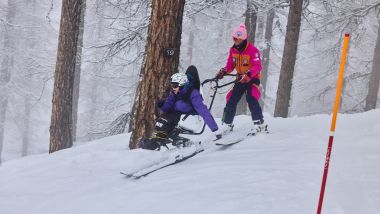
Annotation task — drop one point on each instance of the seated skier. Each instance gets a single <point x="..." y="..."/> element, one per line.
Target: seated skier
<point x="184" y="98"/>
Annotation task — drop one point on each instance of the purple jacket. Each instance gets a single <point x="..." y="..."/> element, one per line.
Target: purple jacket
<point x="176" y="103"/>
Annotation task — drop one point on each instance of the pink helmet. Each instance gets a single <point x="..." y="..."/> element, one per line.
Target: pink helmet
<point x="240" y="32"/>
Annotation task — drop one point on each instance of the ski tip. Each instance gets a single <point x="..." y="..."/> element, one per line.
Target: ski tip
<point x="123" y="173"/>
<point x="130" y="176"/>
<point x="127" y="175"/>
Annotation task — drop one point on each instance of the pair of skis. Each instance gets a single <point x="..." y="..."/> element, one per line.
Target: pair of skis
<point x="146" y="171"/>
<point x="178" y="155"/>
<point x="175" y="156"/>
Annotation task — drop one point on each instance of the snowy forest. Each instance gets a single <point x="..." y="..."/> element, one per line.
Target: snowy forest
<point x="71" y="71"/>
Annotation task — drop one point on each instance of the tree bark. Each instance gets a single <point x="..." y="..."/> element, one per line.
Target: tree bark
<point x="373" y="86"/>
<point x="5" y="69"/>
<point x="164" y="32"/>
<point x="266" y="54"/>
<point x="251" y="20"/>
<point x="78" y="70"/>
<point x="288" y="59"/>
<point x="61" y="117"/>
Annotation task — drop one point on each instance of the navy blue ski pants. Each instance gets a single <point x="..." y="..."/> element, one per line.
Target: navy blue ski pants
<point x="238" y="90"/>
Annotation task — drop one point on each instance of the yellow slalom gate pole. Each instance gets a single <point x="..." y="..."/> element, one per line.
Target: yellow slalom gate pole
<point x="333" y="122"/>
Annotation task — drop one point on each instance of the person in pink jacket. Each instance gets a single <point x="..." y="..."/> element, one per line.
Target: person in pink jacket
<point x="244" y="57"/>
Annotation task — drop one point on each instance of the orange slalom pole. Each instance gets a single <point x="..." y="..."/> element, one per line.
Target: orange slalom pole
<point x="333" y="122"/>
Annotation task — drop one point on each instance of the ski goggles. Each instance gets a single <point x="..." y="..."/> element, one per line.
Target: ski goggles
<point x="237" y="35"/>
<point x="174" y="85"/>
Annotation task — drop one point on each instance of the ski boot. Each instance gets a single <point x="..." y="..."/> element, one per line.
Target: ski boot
<point x="226" y="128"/>
<point x="177" y="140"/>
<point x="155" y="142"/>
<point x="149" y="144"/>
<point x="223" y="130"/>
<point x="259" y="127"/>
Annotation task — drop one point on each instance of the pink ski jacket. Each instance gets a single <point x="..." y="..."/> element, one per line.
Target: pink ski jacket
<point x="247" y="60"/>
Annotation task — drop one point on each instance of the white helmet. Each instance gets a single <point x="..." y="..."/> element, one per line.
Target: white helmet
<point x="179" y="78"/>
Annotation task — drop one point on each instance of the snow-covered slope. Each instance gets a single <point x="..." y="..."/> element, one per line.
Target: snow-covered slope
<point x="269" y="174"/>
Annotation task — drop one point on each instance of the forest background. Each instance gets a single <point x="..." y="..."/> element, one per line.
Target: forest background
<point x="114" y="40"/>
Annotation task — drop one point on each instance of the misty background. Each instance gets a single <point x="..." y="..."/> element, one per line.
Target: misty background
<point x="113" y="49"/>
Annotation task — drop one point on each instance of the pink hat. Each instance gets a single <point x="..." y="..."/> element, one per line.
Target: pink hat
<point x="240" y="32"/>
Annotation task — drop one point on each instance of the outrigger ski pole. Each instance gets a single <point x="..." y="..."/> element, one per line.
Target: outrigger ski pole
<point x="216" y="87"/>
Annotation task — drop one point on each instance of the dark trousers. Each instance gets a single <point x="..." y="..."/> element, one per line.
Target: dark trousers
<point x="166" y="123"/>
<point x="253" y="104"/>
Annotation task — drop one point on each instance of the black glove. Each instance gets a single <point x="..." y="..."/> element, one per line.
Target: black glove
<point x="221" y="73"/>
<point x="255" y="81"/>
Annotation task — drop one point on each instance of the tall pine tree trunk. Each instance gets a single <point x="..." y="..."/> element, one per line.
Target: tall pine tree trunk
<point x="61" y="117"/>
<point x="266" y="54"/>
<point x="164" y="32"/>
<point x="289" y="57"/>
<point x="5" y="69"/>
<point x="78" y="70"/>
<point x="373" y="86"/>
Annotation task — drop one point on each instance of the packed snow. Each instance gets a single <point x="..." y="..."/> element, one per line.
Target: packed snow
<point x="275" y="173"/>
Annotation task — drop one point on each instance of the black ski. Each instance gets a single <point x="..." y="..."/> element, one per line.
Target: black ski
<point x="223" y="143"/>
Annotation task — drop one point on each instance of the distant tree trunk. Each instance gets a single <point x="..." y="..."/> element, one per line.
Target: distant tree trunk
<point x="191" y="40"/>
<point x="288" y="59"/>
<point x="266" y="54"/>
<point x="164" y="32"/>
<point x="373" y="86"/>
<point x="26" y="127"/>
<point x="251" y="20"/>
<point x="259" y="37"/>
<point x="5" y="69"/>
<point x="94" y="103"/>
<point x="78" y="70"/>
<point x="31" y="43"/>
<point x="250" y="23"/>
<point x="61" y="117"/>
<point x="95" y="96"/>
